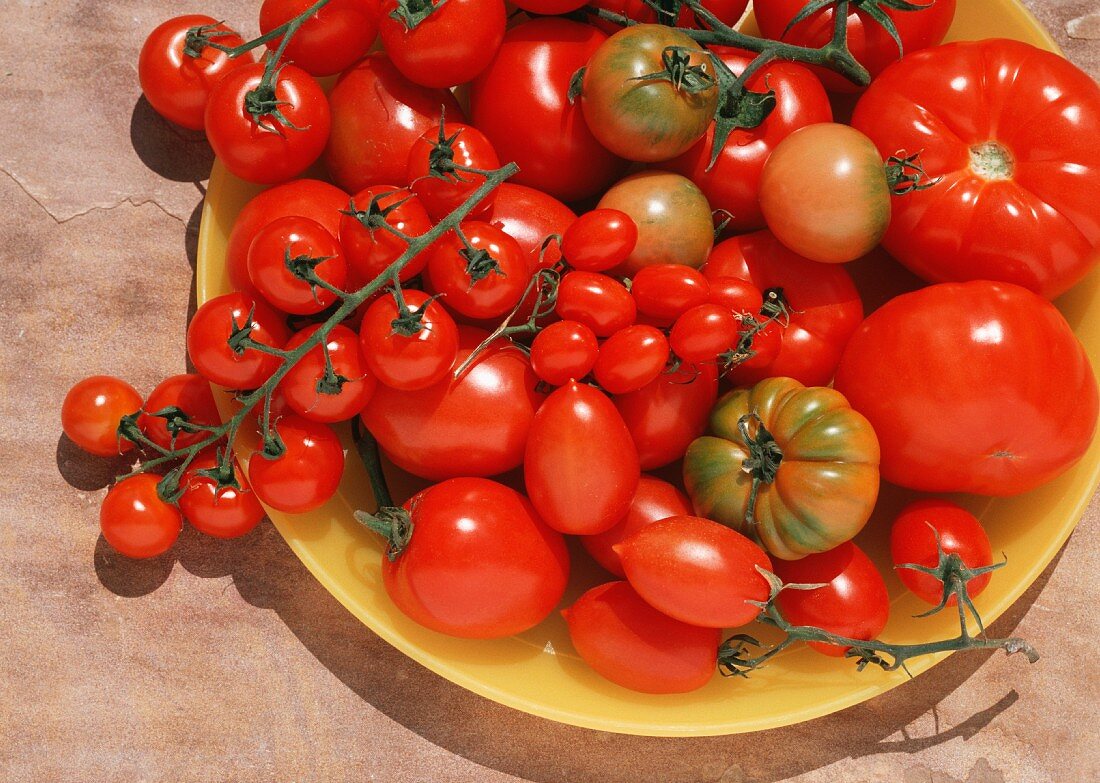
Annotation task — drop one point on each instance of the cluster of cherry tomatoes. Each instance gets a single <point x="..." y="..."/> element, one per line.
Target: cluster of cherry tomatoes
<point x="586" y="349"/>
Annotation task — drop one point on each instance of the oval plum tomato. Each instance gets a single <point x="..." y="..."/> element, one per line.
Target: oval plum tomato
<point x="530" y="216"/>
<point x="627" y="641"/>
<point x="971" y="358"/>
<point x="309" y="198"/>
<point x="599" y="240"/>
<point x="1018" y="194"/>
<point x="258" y="147"/>
<point x="92" y="410"/>
<point x="482" y="279"/>
<point x="373" y="101"/>
<point x="313" y="393"/>
<point x="819" y="306"/>
<point x="412" y="353"/>
<point x="599" y="302"/>
<point x="329" y="41"/>
<point x="306" y="474"/>
<point x="733" y="183"/>
<point x="696" y="571"/>
<point x="631" y="358"/>
<point x="853" y="603"/>
<point x="468" y="533"/>
<point x="868" y="41"/>
<point x="369" y="248"/>
<point x="674" y="220"/>
<point x="520" y="102"/>
<point x="432" y="176"/>
<point x="135" y="521"/>
<point x="185" y="398"/>
<point x="222" y="512"/>
<point x="177" y="84"/>
<point x="704" y="332"/>
<point x="664" y="292"/>
<point x="913" y="541"/>
<point x="288" y="247"/>
<point x="215" y="325"/>
<point x="564" y="351"/>
<point x="442" y="43"/>
<point x="824" y="194"/>
<point x="668" y="414"/>
<point x="641" y="107"/>
<point x="734" y="294"/>
<point x="580" y="467"/>
<point x="476" y="425"/>
<point x="653" y="500"/>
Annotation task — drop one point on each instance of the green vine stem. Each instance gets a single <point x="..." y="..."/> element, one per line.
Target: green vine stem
<point x="200" y="37"/>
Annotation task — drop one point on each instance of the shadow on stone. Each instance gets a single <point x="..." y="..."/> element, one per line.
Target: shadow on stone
<point x="174" y="153"/>
<point x="127" y="577"/>
<point x="85" y="471"/>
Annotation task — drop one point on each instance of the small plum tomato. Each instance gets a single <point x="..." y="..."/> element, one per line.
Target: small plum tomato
<point x="564" y="351"/>
<point x="631" y="358"/>
<point x="599" y="240"/>
<point x="408" y="352"/>
<point x="664" y="292"/>
<point x="483" y="279"/>
<point x="315" y="393"/>
<point x="913" y="541"/>
<point x="91" y="412"/>
<point x="736" y="295"/>
<point x="286" y="254"/>
<point x="135" y="521"/>
<point x="703" y="333"/>
<point x="599" y="302"/>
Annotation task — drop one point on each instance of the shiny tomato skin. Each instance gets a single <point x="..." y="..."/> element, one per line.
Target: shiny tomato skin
<point x="631" y="358"/>
<point x="488" y="296"/>
<point x="599" y="240"/>
<point x="549" y="7"/>
<point x="455" y="43"/>
<point x="300" y="383"/>
<point x="913" y="540"/>
<point x="370" y="250"/>
<point x="520" y="102"/>
<point x="328" y="42"/>
<point x="733" y="183"/>
<point x="665" y="416"/>
<point x="704" y="332"/>
<point x="474" y="426"/>
<point x="468" y="533"/>
<point x="228" y="512"/>
<point x="191" y="394"/>
<point x="411" y="362"/>
<point x="666" y="291"/>
<point x="264" y="155"/>
<point x="824" y="306"/>
<point x="296" y="236"/>
<point x="208" y="341"/>
<point x="988" y="351"/>
<point x="764" y="347"/>
<point x="696" y="571"/>
<point x="653" y="500"/>
<point x="440" y="197"/>
<point x="564" y="351"/>
<point x="309" y="198"/>
<point x="530" y="217"/>
<point x="735" y="294"/>
<point x="599" y="302"/>
<point x="580" y="466"/>
<point x="307" y="475"/>
<point x="1012" y="131"/>
<point x="628" y="642"/>
<point x="853" y="603"/>
<point x="179" y="86"/>
<point x="91" y="412"/>
<point x="727" y="11"/>
<point x="377" y="116"/>
<point x="135" y="521"/>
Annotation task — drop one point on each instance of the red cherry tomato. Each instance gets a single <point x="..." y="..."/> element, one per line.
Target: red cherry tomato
<point x="580" y="466"/>
<point x="468" y="533"/>
<point x="704" y="332"/>
<point x="564" y="351"/>
<point x="627" y="641"/>
<point x="696" y="571"/>
<point x="599" y="240"/>
<point x="290" y="239"/>
<point x="264" y="150"/>
<point x="735" y="294"/>
<point x="653" y="500"/>
<point x="451" y="45"/>
<point x="370" y="248"/>
<point x="329" y="41"/>
<point x="210" y="331"/>
<point x="664" y="292"/>
<point x="599" y="302"/>
<point x="91" y="412"/>
<point x="631" y="358"/>
<point x="191" y="394"/>
<point x="485" y="282"/>
<point x="853" y="603"/>
<point x="225" y="512"/>
<point x="302" y="385"/>
<point x="414" y="361"/>
<point x="135" y="521"/>
<point x="668" y="414"/>
<point x="913" y="541"/>
<point x="306" y="475"/>
<point x="442" y="191"/>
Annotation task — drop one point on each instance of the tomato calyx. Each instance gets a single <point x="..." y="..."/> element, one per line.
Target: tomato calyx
<point x="374" y="216"/>
<point x="738" y="107"/>
<point x="873" y="9"/>
<point x="678" y="71"/>
<point x="392" y="523"/>
<point x="776" y="305"/>
<point x="411" y="13"/>
<point x="304" y="268"/>
<point x="992" y="161"/>
<point x="479" y="264"/>
<point x="202" y="36"/>
<point x="904" y="173"/>
<point x="262" y="103"/>
<point x="222" y="474"/>
<point x="763" y="461"/>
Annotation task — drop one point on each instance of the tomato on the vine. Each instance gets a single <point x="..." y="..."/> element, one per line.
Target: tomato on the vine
<point x="312" y="392"/>
<point x="531" y="217"/>
<point x="599" y="302"/>
<point x="599" y="240"/>
<point x="92" y="410"/>
<point x="306" y="474"/>
<point x="727" y="11"/>
<point x="664" y="292"/>
<point x="483" y="277"/>
<point x="230" y="317"/>
<point x="564" y="351"/>
<point x="191" y="395"/>
<point x="222" y="512"/>
<point x="329" y="41"/>
<point x="369" y="248"/>
<point x="631" y="358"/>
<point x="442" y="43"/>
<point x="913" y="540"/>
<point x="296" y="244"/>
<point x="408" y="361"/>
<point x="443" y="190"/>
<point x="135" y="521"/>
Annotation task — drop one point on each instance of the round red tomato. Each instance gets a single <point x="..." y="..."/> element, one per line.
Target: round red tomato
<point x="135" y="521"/>
<point x="599" y="302"/>
<point x="306" y="474"/>
<point x="468" y="533"/>
<point x="530" y="217"/>
<point x="190" y="395"/>
<point x="476" y="425"/>
<point x="377" y="116"/>
<point x="704" y="332"/>
<point x="217" y="322"/>
<point x="442" y="188"/>
<point x="258" y="147"/>
<point x="314" y="393"/>
<point x="853" y="603"/>
<point x="971" y="387"/>
<point x="329" y="41"/>
<point x="913" y="541"/>
<point x="92" y="410"/>
<point x="368" y="246"/>
<point x="521" y="103"/>
<point x="599" y="240"/>
<point x="305" y="245"/>
<point x="412" y="355"/>
<point x="664" y="292"/>
<point x="564" y="351"/>
<point x="631" y="358"/>
<point x="450" y="45"/>
<point x="482" y="279"/>
<point x="222" y="512"/>
<point x="178" y="84"/>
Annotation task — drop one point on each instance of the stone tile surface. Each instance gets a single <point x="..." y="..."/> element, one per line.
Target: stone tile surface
<point x="227" y="661"/>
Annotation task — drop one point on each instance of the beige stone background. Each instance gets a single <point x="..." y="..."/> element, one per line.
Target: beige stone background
<point x="226" y="661"/>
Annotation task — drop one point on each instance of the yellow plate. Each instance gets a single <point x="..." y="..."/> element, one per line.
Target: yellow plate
<point x="538" y="672"/>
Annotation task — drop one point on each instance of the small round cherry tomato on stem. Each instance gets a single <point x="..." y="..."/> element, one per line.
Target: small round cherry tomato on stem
<point x="329" y="41"/>
<point x="564" y="351"/>
<point x="91" y="412"/>
<point x="483" y="279"/>
<point x="314" y="393"/>
<point x="599" y="240"/>
<point x="299" y="244"/>
<point x="432" y="175"/>
<point x="189" y="393"/>
<point x="913" y="540"/>
<point x="222" y="512"/>
<point x="135" y="521"/>
<point x="599" y="302"/>
<point x="415" y="353"/>
<point x="223" y="320"/>
<point x="306" y="474"/>
<point x="369" y="247"/>
<point x="631" y="358"/>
